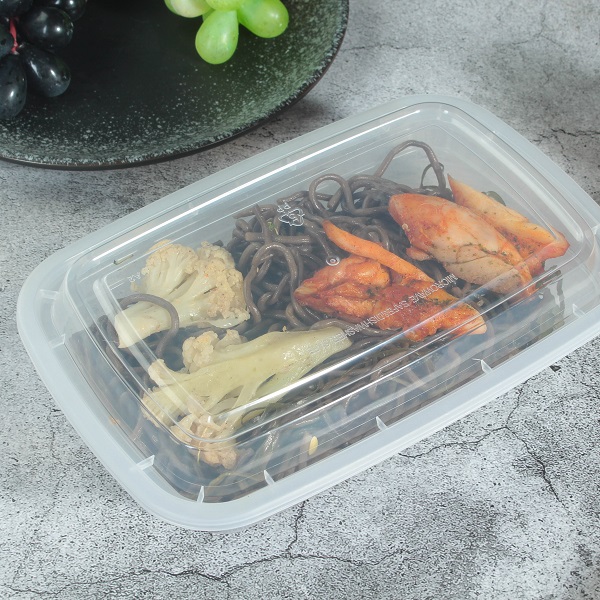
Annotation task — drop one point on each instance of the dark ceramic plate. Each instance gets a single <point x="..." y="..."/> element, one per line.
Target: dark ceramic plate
<point x="140" y="93"/>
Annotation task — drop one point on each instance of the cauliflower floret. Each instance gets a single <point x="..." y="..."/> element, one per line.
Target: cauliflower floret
<point x="224" y="376"/>
<point x="194" y="430"/>
<point x="167" y="267"/>
<point x="204" y="287"/>
<point x="199" y="351"/>
<point x="208" y="251"/>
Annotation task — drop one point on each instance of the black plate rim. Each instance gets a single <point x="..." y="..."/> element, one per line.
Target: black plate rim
<point x="154" y="158"/>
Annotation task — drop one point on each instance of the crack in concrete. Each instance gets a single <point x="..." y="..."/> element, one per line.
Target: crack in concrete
<point x="578" y="133"/>
<point x="225" y="577"/>
<point x="554" y="136"/>
<point x="475" y="442"/>
<point x="26" y="590"/>
<point x="544" y="31"/>
<point x="349" y="561"/>
<point x="556" y="133"/>
<point x="221" y="579"/>
<point x="541" y="463"/>
<point x="186" y="573"/>
<point x="398" y="47"/>
<point x="463" y="443"/>
<point x="53" y="496"/>
<point x="505" y="427"/>
<point x="125" y="576"/>
<point x="296" y="525"/>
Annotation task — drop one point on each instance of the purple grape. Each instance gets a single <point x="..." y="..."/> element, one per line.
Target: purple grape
<point x="47" y="73"/>
<point x="74" y="8"/>
<point x="30" y="31"/>
<point x="13" y="87"/>
<point x="46" y="27"/>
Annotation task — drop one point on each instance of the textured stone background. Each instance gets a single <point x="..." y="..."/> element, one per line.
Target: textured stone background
<point x="502" y="505"/>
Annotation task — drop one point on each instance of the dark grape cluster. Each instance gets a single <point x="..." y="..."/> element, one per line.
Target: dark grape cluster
<point x="30" y="33"/>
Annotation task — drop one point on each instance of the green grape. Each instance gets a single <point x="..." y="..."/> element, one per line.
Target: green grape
<point x="224" y="4"/>
<point x="264" y="18"/>
<point x="188" y="8"/>
<point x="217" y="38"/>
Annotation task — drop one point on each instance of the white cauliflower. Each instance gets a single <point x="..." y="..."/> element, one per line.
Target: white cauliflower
<point x="222" y="377"/>
<point x="204" y="287"/>
<point x="200" y="351"/>
<point x="203" y="433"/>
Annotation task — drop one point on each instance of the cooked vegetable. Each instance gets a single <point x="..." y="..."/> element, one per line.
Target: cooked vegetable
<point x="355" y="245"/>
<point x="224" y="375"/>
<point x="204" y="287"/>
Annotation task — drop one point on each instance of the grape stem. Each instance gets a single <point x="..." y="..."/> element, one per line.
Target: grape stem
<point x="13" y="31"/>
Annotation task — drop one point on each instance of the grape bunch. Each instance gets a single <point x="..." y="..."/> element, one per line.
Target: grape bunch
<point x="30" y="33"/>
<point x="217" y="38"/>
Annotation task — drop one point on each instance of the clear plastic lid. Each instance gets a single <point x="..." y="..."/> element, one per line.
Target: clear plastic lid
<point x="265" y="320"/>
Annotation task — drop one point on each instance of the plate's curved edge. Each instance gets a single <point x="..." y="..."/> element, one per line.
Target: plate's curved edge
<point x="148" y="159"/>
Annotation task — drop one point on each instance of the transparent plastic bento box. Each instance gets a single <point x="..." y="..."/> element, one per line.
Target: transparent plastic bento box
<point x="277" y="327"/>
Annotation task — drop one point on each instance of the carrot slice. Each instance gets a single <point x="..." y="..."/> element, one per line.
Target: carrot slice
<point x="355" y="245"/>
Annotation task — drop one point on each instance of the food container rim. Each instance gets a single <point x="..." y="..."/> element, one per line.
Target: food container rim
<point x="60" y="375"/>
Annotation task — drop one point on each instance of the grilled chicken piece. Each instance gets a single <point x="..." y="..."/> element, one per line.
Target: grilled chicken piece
<point x="346" y="290"/>
<point x="467" y="245"/>
<point x="534" y="243"/>
<point x="379" y="287"/>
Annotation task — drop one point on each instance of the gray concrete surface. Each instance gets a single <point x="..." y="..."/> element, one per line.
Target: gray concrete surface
<point x="502" y="505"/>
